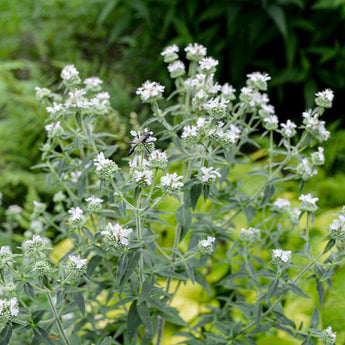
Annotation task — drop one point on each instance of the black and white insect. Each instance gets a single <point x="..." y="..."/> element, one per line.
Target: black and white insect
<point x="144" y="139"/>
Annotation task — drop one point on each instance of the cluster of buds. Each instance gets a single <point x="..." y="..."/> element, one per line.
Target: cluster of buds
<point x="34" y="247"/>
<point x="41" y="268"/>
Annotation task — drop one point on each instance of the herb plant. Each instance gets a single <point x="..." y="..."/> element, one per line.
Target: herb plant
<point x="133" y="236"/>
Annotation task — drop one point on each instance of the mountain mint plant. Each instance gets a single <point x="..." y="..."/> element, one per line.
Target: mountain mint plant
<point x="133" y="230"/>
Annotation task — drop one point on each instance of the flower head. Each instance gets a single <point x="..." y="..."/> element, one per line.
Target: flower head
<point x="54" y="129"/>
<point x="337" y="229"/>
<point x="77" y="218"/>
<point x="258" y="80"/>
<point x="288" y="130"/>
<point x="308" y="203"/>
<point x="207" y="246"/>
<point x="324" y="98"/>
<point x="170" y="53"/>
<point x="143" y="177"/>
<point x="328" y="336"/>
<point x="217" y="107"/>
<point x="70" y="76"/>
<point x="208" y="175"/>
<point x="170" y="183"/>
<point x="56" y="111"/>
<point x="208" y="65"/>
<point x="6" y="256"/>
<point x="93" y="84"/>
<point x="281" y="205"/>
<point x="76" y="265"/>
<point x="116" y="235"/>
<point x="249" y="235"/>
<point x="158" y="160"/>
<point x="105" y="168"/>
<point x="304" y="170"/>
<point x="280" y="256"/>
<point x="42" y="93"/>
<point x="190" y="134"/>
<point x="150" y="91"/>
<point x="318" y="158"/>
<point x="271" y="122"/>
<point x="8" y="310"/>
<point x="195" y="52"/>
<point x="315" y="127"/>
<point x="176" y="69"/>
<point x="34" y="246"/>
<point x="94" y="204"/>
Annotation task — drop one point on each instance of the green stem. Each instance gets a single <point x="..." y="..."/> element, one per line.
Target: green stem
<point x="167" y="288"/>
<point x="58" y="321"/>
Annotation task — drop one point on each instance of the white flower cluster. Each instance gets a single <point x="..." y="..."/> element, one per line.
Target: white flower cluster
<point x="171" y="184"/>
<point x="116" y="235"/>
<point x="328" y="336"/>
<point x="158" y="160"/>
<point x="176" y="69"/>
<point x="143" y="178"/>
<point x="34" y="246"/>
<point x="288" y="129"/>
<point x="97" y="103"/>
<point x="280" y="256"/>
<point x="93" y="84"/>
<point x="314" y="126"/>
<point x="207" y="246"/>
<point x="227" y="137"/>
<point x="281" y="205"/>
<point x="70" y="76"/>
<point x="94" y="204"/>
<point x="318" y="158"/>
<point x="308" y="203"/>
<point x="170" y="53"/>
<point x="6" y="256"/>
<point x="208" y="175"/>
<point x="337" y="229"/>
<point x="54" y="129"/>
<point x="150" y="91"/>
<point x="324" y="98"/>
<point x="305" y="170"/>
<point x="271" y="122"/>
<point x="249" y="235"/>
<point x="257" y="80"/>
<point x="8" y="310"/>
<point x="14" y="210"/>
<point x="76" y="265"/>
<point x="105" y="168"/>
<point x="195" y="52"/>
<point x="77" y="218"/>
